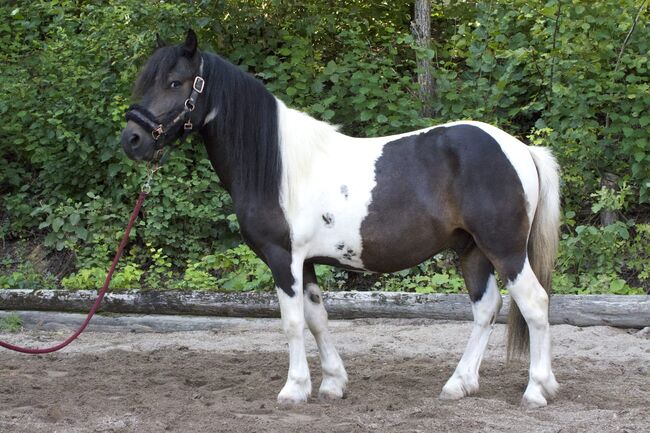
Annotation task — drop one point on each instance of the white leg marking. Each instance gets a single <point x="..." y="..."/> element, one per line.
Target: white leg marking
<point x="334" y="376"/>
<point x="464" y="381"/>
<point x="298" y="386"/>
<point x="532" y="300"/>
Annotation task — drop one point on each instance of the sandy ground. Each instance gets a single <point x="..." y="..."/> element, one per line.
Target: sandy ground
<point x="225" y="379"/>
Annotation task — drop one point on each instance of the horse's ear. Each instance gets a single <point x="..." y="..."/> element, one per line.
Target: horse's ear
<point x="160" y="42"/>
<point x="191" y="44"/>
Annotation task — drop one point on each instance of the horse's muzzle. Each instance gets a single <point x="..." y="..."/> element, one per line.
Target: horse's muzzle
<point x="137" y="145"/>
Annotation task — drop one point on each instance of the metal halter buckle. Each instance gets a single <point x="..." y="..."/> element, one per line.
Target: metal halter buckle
<point x="156" y="133"/>
<point x="187" y="125"/>
<point x="189" y="104"/>
<point x="199" y="84"/>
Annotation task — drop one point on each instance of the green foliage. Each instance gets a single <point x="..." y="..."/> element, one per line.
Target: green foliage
<point x="239" y="269"/>
<point x="195" y="278"/>
<point x="448" y="282"/>
<point x="25" y="276"/>
<point x="608" y="199"/>
<point x="127" y="278"/>
<point x="159" y="270"/>
<point x="595" y="259"/>
<point x="11" y="323"/>
<point x="549" y="71"/>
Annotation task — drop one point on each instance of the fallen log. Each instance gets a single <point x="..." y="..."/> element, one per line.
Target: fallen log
<point x="578" y="310"/>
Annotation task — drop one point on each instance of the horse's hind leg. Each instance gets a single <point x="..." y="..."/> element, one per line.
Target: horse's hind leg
<point x="334" y="376"/>
<point x="532" y="300"/>
<point x="479" y="277"/>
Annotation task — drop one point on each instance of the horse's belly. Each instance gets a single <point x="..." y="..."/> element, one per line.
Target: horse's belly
<point x="385" y="247"/>
<point x="390" y="248"/>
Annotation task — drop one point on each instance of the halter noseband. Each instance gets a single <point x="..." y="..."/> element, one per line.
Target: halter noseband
<point x="158" y="129"/>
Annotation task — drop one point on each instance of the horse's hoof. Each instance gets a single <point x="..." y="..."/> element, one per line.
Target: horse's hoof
<point x="332" y="388"/>
<point x="291" y="400"/>
<point x="457" y="388"/>
<point x="294" y="393"/>
<point x="330" y="395"/>
<point x="533" y="402"/>
<point x="447" y="394"/>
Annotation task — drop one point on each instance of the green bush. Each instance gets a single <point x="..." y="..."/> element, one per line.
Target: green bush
<point x="127" y="278"/>
<point x="555" y="72"/>
<point x="25" y="276"/>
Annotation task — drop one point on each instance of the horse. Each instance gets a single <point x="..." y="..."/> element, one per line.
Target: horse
<point x="306" y="194"/>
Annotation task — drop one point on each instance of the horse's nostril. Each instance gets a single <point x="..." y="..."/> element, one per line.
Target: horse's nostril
<point x="134" y="140"/>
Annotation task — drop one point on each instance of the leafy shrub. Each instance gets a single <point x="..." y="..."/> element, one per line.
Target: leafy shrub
<point x="550" y="71"/>
<point x="25" y="276"/>
<point x="127" y="278"/>
<point x="239" y="270"/>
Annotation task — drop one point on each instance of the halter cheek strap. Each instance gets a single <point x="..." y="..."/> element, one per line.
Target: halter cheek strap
<point x="158" y="129"/>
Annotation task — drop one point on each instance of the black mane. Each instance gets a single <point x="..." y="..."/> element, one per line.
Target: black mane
<point x="246" y="124"/>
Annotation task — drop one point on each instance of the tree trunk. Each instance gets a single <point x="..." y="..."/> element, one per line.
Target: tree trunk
<point x="608" y="216"/>
<point x="421" y="28"/>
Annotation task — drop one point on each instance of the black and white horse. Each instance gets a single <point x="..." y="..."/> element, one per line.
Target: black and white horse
<point x="305" y="194"/>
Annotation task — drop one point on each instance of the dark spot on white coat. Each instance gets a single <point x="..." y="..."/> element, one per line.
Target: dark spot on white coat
<point x="344" y="191"/>
<point x="328" y="218"/>
<point x="314" y="298"/>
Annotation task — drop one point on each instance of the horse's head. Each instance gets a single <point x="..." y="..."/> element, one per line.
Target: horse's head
<point x="169" y="88"/>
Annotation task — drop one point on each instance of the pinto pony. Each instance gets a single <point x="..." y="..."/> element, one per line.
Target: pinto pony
<point x="305" y="194"/>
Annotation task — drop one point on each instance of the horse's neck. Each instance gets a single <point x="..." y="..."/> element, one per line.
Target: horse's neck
<point x="230" y="174"/>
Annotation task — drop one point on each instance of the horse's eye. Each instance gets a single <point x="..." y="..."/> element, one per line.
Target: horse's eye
<point x="175" y="84"/>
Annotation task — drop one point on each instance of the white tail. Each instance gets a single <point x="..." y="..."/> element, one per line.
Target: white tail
<point x="542" y="242"/>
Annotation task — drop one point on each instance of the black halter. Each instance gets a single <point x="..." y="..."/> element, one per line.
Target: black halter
<point x="158" y="128"/>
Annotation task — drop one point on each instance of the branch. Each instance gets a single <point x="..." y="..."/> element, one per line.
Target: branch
<point x="555" y="32"/>
<point x="627" y="37"/>
<point x="620" y="53"/>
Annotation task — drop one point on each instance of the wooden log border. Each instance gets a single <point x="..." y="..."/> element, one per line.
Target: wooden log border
<point x="579" y="310"/>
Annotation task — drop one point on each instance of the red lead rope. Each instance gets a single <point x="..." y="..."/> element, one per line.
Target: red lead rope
<point x="102" y="292"/>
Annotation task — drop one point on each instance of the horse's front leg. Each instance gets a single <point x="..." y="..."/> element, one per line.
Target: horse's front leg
<point x="288" y="274"/>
